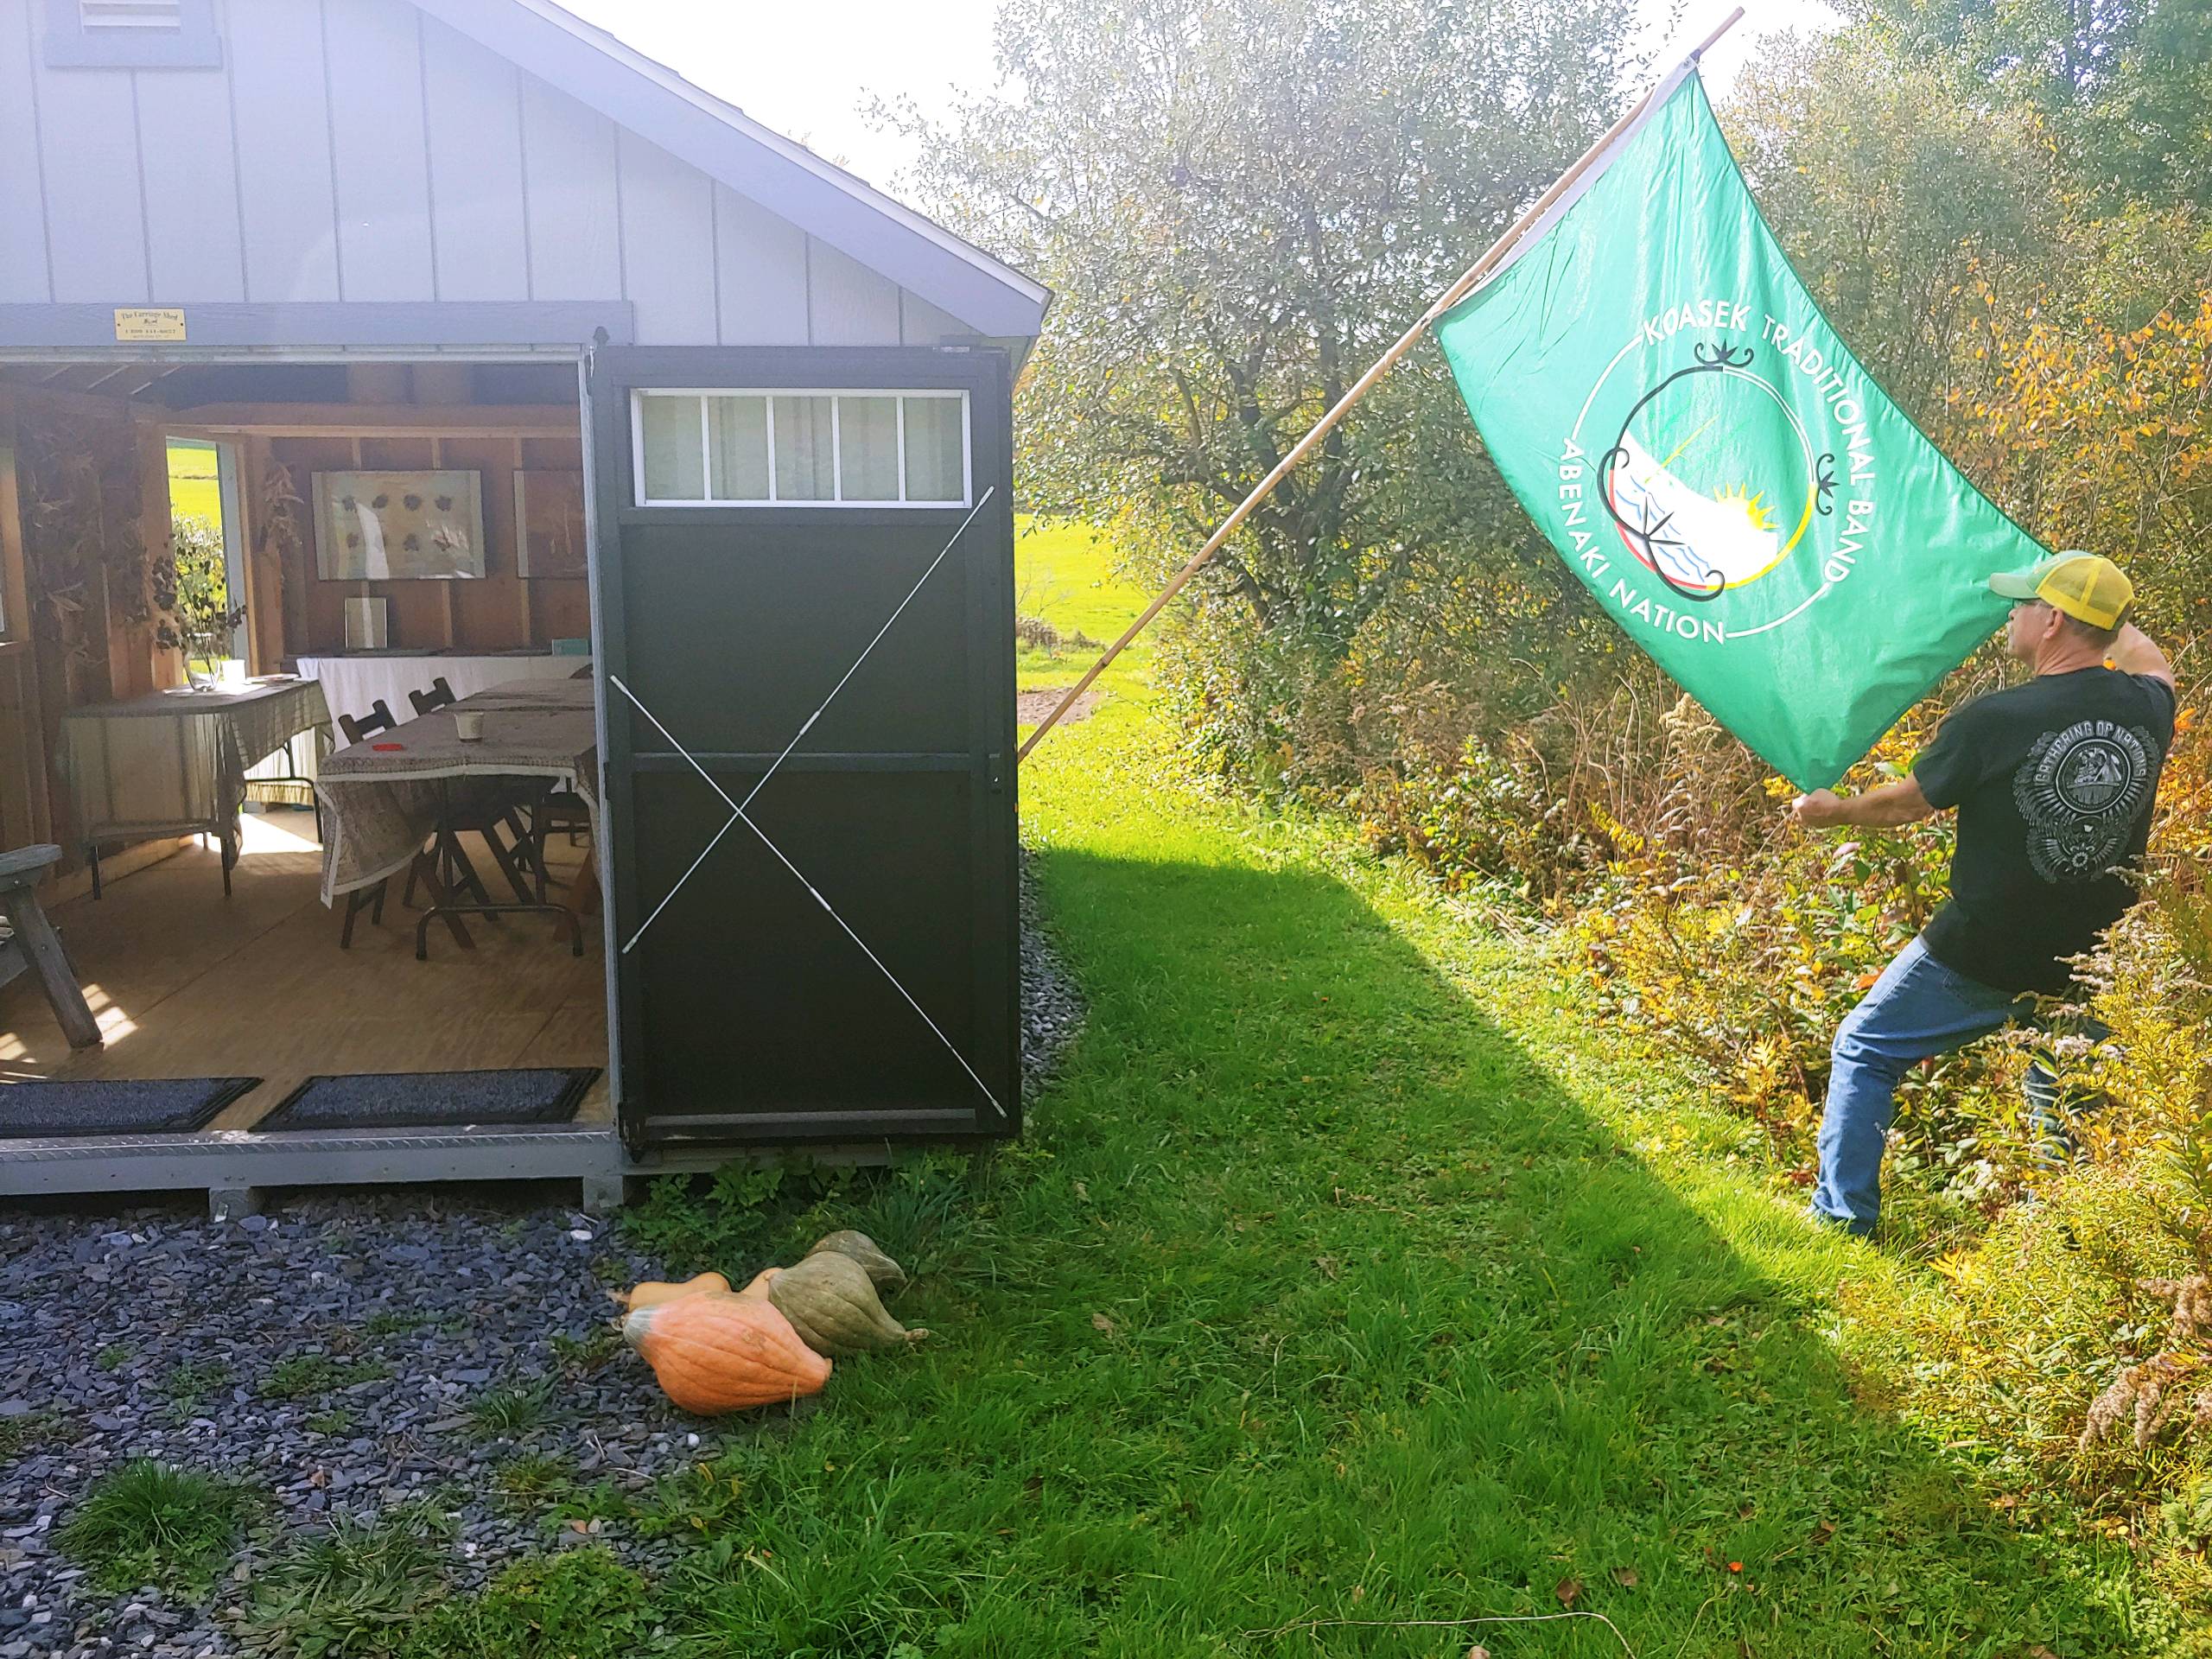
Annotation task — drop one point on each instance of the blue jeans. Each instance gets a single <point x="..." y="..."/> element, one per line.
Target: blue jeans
<point x="1917" y="1009"/>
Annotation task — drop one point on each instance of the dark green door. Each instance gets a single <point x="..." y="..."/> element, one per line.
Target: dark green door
<point x="840" y="961"/>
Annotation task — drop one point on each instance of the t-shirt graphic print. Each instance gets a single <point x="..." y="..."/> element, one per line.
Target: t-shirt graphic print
<point x="2079" y="793"/>
<point x="2053" y="781"/>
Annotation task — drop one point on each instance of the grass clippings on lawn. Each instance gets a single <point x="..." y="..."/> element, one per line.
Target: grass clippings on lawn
<point x="1030" y="708"/>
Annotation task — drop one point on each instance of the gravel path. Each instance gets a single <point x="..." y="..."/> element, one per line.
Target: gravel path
<point x="1051" y="1009"/>
<point x="341" y="1354"/>
<point x="1030" y="708"/>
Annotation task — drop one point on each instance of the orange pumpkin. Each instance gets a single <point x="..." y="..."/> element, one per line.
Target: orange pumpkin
<point x="717" y="1352"/>
<point x="757" y="1286"/>
<point x="654" y="1291"/>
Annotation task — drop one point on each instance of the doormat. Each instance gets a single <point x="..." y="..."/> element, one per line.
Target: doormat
<point x="432" y="1100"/>
<point x="82" y="1106"/>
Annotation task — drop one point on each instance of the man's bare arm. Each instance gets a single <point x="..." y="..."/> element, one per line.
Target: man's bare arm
<point x="1873" y="809"/>
<point x="2133" y="653"/>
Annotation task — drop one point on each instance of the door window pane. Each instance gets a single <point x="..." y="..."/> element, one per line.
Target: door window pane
<point x="737" y="444"/>
<point x="675" y="467"/>
<point x="805" y="450"/>
<point x="934" y="471"/>
<point x="868" y="439"/>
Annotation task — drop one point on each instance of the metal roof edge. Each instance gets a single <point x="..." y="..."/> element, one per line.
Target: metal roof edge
<point x="651" y="100"/>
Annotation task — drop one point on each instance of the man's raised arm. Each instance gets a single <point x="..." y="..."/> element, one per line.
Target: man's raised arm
<point x="2133" y="653"/>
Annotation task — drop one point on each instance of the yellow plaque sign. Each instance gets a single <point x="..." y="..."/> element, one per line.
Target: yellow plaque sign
<point x="145" y="322"/>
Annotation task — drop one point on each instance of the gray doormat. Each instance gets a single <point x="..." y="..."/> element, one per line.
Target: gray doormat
<point x="429" y="1100"/>
<point x="83" y="1106"/>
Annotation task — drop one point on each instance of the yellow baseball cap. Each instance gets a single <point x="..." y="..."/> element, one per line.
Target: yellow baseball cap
<point x="2086" y="588"/>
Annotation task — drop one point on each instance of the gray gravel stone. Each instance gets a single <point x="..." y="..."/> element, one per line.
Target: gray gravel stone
<point x="1051" y="1009"/>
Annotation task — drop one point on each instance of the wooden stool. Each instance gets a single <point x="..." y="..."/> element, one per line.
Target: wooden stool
<point x="37" y="947"/>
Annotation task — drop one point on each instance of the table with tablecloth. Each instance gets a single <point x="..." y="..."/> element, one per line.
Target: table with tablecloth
<point x="352" y="685"/>
<point x="381" y="797"/>
<point x="548" y="695"/>
<point x="174" y="762"/>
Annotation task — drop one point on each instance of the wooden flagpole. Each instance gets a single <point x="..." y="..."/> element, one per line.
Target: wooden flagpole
<point x="1405" y="342"/>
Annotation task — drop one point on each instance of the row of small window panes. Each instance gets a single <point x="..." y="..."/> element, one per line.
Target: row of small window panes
<point x="758" y="447"/>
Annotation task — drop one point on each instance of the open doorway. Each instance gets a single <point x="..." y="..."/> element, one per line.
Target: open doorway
<point x="206" y="531"/>
<point x="320" y="738"/>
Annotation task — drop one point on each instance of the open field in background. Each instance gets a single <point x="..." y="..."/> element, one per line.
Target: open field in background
<point x="195" y="492"/>
<point x="1063" y="573"/>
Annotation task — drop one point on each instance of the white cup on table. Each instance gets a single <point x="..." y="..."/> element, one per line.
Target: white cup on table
<point x="468" y="724"/>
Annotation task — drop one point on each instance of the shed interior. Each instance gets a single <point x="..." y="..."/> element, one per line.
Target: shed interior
<point x="192" y="970"/>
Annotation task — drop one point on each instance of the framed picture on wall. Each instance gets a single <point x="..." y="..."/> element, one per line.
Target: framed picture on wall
<point x="398" y="526"/>
<point x="550" y="524"/>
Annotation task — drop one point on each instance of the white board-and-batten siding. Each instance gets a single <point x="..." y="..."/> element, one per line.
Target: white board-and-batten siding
<point x="361" y="150"/>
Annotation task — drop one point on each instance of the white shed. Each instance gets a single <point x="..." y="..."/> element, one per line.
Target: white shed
<point x="487" y="339"/>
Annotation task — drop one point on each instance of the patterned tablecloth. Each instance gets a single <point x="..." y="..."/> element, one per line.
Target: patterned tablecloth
<point x="174" y="761"/>
<point x="381" y="797"/>
<point x="545" y="695"/>
<point x="352" y="684"/>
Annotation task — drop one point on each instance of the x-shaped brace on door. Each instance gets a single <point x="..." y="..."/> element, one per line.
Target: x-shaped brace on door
<point x="738" y="814"/>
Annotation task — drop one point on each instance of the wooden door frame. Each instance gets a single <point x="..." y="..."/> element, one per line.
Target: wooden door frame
<point x="26" y="805"/>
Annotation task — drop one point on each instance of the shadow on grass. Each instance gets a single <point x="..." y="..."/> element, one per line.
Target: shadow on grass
<point x="1312" y="1295"/>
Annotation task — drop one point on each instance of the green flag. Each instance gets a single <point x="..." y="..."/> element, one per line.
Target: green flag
<point x="1671" y="408"/>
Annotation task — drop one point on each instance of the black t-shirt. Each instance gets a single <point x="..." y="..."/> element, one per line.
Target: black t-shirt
<point x="2053" y="781"/>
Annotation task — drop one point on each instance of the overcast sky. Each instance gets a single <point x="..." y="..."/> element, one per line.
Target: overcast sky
<point x="806" y="70"/>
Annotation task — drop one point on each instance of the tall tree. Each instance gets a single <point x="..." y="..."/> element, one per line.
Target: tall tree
<point x="1902" y="184"/>
<point x="2126" y="84"/>
<point x="1238" y="204"/>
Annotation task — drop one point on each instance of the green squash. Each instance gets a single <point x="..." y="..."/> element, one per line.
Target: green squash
<point x="832" y="1304"/>
<point x="889" y="1277"/>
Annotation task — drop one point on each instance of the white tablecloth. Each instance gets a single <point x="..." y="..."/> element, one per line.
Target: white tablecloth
<point x="352" y="684"/>
<point x="173" y="762"/>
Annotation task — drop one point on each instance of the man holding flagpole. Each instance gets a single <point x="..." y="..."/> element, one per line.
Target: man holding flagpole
<point x="1714" y="464"/>
<point x="2053" y="781"/>
<point x="1719" y="470"/>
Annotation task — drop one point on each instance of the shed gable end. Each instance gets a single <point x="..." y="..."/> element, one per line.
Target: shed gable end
<point x="367" y="151"/>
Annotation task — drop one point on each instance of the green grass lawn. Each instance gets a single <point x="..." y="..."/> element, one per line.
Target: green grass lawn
<point x="1348" y="1273"/>
<point x="1064" y="574"/>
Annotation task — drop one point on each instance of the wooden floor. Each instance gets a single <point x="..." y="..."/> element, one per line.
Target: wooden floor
<point x="187" y="984"/>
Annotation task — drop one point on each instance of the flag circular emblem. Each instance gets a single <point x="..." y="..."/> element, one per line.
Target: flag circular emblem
<point x="1713" y="481"/>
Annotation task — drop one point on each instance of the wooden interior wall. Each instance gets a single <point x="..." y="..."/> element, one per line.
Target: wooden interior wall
<point x="116" y="655"/>
<point x="500" y="611"/>
<point x="291" y="611"/>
